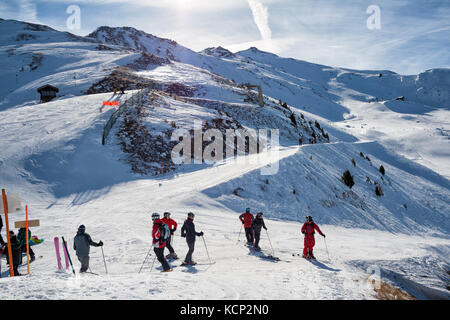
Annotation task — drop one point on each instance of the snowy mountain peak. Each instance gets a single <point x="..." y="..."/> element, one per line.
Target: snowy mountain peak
<point x="218" y="52"/>
<point x="132" y="38"/>
<point x="127" y="37"/>
<point x="14" y="31"/>
<point x="138" y="40"/>
<point x="253" y="51"/>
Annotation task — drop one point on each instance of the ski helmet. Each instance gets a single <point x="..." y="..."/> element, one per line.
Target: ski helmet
<point x="247" y="209"/>
<point x="155" y="216"/>
<point x="309" y="218"/>
<point x="166" y="214"/>
<point x="259" y="213"/>
<point x="82" y="228"/>
<point x="191" y="215"/>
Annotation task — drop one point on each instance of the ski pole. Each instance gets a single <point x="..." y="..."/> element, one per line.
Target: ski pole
<point x="70" y="260"/>
<point x="326" y="247"/>
<point x="154" y="259"/>
<point x="240" y="230"/>
<point x="145" y="259"/>
<point x="273" y="251"/>
<point x="104" y="259"/>
<point x="206" y="250"/>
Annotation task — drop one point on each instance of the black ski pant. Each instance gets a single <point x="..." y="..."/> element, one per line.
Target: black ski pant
<point x="257" y="235"/>
<point x="24" y="249"/>
<point x="84" y="263"/>
<point x="15" y="269"/>
<point x="191" y="246"/>
<point x="249" y="234"/>
<point x="169" y="245"/>
<point x="160" y="255"/>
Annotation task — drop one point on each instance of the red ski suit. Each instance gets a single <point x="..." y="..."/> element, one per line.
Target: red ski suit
<point x="247" y="218"/>
<point x="156" y="233"/>
<point x="308" y="230"/>
<point x="170" y="222"/>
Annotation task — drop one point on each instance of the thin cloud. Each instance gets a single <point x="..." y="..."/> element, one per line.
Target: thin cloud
<point x="261" y="18"/>
<point x="27" y="11"/>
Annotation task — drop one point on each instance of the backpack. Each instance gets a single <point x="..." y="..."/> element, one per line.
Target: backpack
<point x="165" y="231"/>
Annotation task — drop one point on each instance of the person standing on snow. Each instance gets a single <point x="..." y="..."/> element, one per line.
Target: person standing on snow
<point x="308" y="230"/>
<point x="247" y="220"/>
<point x="81" y="244"/>
<point x="188" y="232"/>
<point x="22" y="237"/>
<point x="159" y="243"/>
<point x="257" y="224"/>
<point x="15" y="253"/>
<point x="172" y="227"/>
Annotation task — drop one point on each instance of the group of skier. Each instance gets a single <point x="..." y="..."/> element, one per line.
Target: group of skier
<point x="253" y="225"/>
<point x="164" y="229"/>
<point x="162" y="236"/>
<point x="18" y="246"/>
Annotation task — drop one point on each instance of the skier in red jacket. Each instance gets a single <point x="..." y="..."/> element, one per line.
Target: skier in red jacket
<point x="308" y="230"/>
<point x="173" y="227"/>
<point x="158" y="242"/>
<point x="247" y="220"/>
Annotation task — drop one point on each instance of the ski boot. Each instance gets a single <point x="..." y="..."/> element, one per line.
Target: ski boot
<point x="168" y="270"/>
<point x="172" y="256"/>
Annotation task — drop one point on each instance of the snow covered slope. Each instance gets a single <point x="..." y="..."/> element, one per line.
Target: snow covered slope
<point x="34" y="55"/>
<point x="68" y="178"/>
<point x="349" y="99"/>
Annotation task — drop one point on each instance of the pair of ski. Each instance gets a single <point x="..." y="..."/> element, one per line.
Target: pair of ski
<point x="261" y="254"/>
<point x="197" y="264"/>
<point x="66" y="254"/>
<point x="301" y="255"/>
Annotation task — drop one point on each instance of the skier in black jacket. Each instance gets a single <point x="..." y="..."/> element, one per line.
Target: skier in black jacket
<point x="15" y="252"/>
<point x="81" y="244"/>
<point x="188" y="232"/>
<point x="257" y="224"/>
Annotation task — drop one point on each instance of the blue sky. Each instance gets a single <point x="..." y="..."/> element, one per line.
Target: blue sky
<point x="413" y="35"/>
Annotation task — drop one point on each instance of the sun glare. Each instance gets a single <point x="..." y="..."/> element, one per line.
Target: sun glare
<point x="182" y="4"/>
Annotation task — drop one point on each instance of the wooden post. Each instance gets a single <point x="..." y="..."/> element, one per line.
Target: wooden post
<point x="28" y="245"/>
<point x="5" y="208"/>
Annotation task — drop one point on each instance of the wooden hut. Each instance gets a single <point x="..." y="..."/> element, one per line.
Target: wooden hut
<point x="47" y="92"/>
